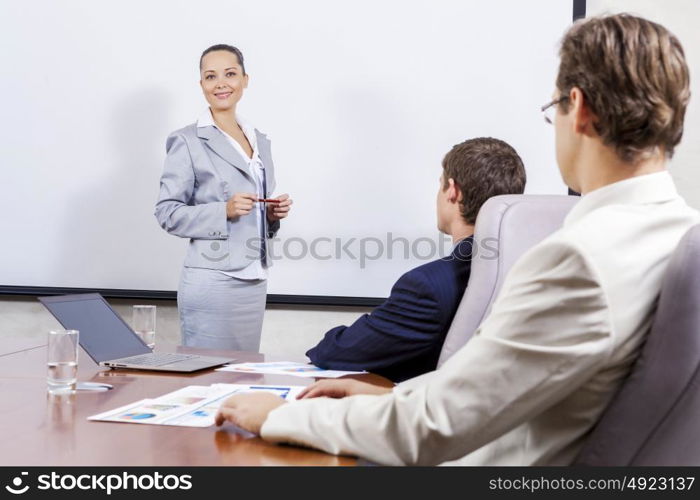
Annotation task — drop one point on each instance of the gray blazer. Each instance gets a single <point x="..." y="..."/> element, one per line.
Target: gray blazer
<point x="202" y="171"/>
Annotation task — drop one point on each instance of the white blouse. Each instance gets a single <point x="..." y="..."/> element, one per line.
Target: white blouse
<point x="256" y="270"/>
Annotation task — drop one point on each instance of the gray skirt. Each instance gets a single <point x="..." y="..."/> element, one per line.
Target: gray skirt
<point x="220" y="312"/>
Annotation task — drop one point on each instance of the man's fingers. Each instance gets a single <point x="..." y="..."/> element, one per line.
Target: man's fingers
<point x="320" y="389"/>
<point x="230" y="403"/>
<point x="323" y="388"/>
<point x="310" y="390"/>
<point x="224" y="414"/>
<point x="311" y="393"/>
<point x="318" y="392"/>
<point x="220" y="418"/>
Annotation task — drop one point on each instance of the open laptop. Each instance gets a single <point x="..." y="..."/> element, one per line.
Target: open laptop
<point x="111" y="342"/>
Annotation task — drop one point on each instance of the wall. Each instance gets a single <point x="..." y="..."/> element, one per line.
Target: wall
<point x="287" y="330"/>
<point x="679" y="16"/>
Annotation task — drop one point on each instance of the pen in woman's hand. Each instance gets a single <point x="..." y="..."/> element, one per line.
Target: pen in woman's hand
<point x="280" y="209"/>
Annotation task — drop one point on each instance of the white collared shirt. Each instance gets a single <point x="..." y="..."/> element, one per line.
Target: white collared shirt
<point x="531" y="383"/>
<point x="256" y="270"/>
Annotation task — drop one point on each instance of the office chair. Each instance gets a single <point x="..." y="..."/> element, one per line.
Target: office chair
<point x="653" y="419"/>
<point x="506" y="227"/>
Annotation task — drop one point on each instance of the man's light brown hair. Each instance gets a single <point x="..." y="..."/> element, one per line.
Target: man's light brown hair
<point x="482" y="168"/>
<point x="634" y="78"/>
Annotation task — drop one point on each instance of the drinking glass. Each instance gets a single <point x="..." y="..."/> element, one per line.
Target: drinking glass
<point x="144" y="324"/>
<point x="62" y="361"/>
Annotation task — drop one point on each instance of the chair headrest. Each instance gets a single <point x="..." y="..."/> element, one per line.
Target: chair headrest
<point x="506" y="227"/>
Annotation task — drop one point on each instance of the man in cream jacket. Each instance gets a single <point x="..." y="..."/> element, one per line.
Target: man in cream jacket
<point x="574" y="310"/>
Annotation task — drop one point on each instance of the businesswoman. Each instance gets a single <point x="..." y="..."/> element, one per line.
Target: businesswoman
<point x="215" y="172"/>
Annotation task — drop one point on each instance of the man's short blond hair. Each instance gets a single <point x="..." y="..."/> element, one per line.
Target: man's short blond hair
<point x="634" y="78"/>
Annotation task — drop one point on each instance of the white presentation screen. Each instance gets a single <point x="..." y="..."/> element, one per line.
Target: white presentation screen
<point x="361" y="101"/>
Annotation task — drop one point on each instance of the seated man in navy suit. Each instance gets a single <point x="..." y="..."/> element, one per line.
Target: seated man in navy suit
<point x="402" y="338"/>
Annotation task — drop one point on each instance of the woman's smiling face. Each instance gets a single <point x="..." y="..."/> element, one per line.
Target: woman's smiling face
<point x="222" y="79"/>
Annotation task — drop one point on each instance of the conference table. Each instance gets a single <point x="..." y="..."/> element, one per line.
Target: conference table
<point x="37" y="428"/>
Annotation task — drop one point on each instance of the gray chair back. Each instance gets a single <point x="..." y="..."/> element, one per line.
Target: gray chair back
<point x="506" y="227"/>
<point x="655" y="417"/>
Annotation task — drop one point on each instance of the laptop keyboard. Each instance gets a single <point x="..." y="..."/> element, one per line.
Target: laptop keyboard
<point x="156" y="359"/>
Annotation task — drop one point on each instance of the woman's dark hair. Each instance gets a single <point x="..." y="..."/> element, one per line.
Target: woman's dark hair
<point x="228" y="48"/>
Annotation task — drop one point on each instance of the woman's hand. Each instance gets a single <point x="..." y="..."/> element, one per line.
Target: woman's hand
<point x="341" y="388"/>
<point x="278" y="211"/>
<point x="240" y="204"/>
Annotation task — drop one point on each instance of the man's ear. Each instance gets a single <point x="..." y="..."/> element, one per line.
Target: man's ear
<point x="583" y="117"/>
<point x="454" y="194"/>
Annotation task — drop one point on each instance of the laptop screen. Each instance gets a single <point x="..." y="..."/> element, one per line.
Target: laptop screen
<point x="102" y="332"/>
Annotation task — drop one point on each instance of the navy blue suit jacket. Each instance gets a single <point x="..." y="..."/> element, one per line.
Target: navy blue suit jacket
<point x="402" y="338"/>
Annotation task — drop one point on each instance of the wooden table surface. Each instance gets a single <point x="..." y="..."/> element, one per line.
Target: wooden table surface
<point x="40" y="429"/>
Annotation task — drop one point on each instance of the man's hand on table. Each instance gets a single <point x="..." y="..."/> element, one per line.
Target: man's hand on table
<point x="341" y="388"/>
<point x="249" y="411"/>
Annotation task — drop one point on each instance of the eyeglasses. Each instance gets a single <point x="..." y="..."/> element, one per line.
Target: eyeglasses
<point x="548" y="109"/>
